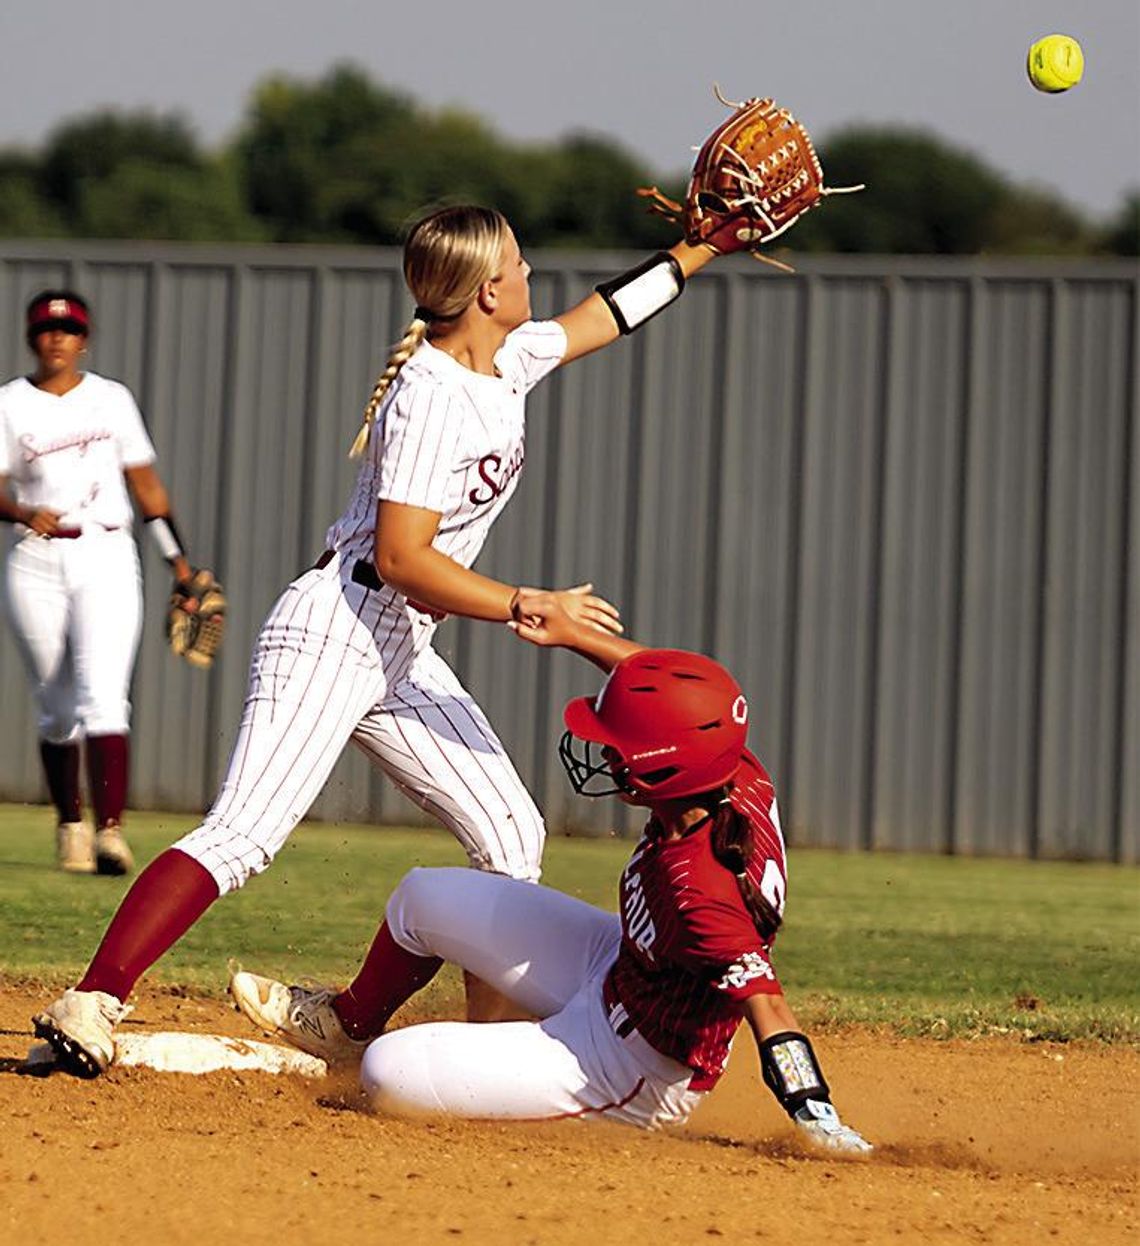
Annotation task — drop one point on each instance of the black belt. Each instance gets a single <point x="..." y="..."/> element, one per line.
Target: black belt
<point x="365" y="574"/>
<point x="364" y="571"/>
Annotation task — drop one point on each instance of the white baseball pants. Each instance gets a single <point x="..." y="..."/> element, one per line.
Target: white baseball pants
<point x="336" y="662"/>
<point x="76" y="611"/>
<point x="549" y="954"/>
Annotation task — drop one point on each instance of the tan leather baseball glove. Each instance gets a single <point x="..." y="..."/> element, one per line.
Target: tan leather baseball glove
<point x="754" y="177"/>
<point x="196" y="618"/>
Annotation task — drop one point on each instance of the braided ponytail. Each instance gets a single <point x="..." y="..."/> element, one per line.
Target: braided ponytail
<point x="731" y="843"/>
<point x="448" y="255"/>
<point x="403" y="350"/>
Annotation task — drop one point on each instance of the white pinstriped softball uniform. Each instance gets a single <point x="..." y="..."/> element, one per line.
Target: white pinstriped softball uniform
<point x="67" y="453"/>
<point x="337" y="660"/>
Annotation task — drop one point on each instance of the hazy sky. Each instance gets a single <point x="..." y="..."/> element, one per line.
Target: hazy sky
<point x="639" y="70"/>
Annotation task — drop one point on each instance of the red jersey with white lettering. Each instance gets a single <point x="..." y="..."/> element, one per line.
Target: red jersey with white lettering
<point x="451" y="440"/>
<point x="690" y="953"/>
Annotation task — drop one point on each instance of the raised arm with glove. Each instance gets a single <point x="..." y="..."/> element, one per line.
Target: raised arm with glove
<point x="754" y="177"/>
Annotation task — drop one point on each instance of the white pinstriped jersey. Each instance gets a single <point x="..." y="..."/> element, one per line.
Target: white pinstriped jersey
<point x="690" y="953"/>
<point x="67" y="452"/>
<point x="451" y="440"/>
<point x="338" y="660"/>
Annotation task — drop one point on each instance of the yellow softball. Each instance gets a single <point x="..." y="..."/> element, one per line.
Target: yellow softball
<point x="1055" y="63"/>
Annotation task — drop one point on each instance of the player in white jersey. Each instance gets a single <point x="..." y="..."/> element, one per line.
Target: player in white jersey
<point x="346" y="653"/>
<point x="73" y="453"/>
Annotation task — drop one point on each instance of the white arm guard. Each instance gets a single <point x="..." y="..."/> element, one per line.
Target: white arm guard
<point x="638" y="295"/>
<point x="166" y="537"/>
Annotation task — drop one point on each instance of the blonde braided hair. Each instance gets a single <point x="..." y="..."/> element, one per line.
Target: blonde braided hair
<point x="414" y="334"/>
<point x="448" y="256"/>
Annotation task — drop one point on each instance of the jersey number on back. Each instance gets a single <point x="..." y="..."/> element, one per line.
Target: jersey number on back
<point x="773" y="887"/>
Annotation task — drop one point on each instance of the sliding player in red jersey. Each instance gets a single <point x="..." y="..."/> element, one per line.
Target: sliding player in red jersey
<point x="636" y="1012"/>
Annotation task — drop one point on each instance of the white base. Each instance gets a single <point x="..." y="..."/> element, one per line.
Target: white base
<point x="173" y="1052"/>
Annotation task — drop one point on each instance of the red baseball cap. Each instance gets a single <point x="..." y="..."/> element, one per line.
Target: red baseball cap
<point x="58" y="313"/>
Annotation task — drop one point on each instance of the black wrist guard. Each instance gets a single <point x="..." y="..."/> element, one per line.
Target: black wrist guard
<point x="791" y="1071"/>
<point x="638" y="295"/>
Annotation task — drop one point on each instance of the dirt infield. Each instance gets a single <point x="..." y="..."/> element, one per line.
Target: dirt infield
<point x="993" y="1141"/>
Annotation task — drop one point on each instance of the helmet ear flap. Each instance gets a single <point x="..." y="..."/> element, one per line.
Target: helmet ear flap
<point x="650" y="779"/>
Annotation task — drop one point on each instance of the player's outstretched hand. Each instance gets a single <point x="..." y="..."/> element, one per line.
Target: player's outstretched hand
<point x="558" y="617"/>
<point x="583" y="607"/>
<point x="821" y="1123"/>
<point x="541" y="618"/>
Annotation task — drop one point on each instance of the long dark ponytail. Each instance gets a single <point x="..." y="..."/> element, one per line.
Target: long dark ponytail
<point x="731" y="842"/>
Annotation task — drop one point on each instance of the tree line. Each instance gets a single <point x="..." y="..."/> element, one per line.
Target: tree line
<point x="346" y="160"/>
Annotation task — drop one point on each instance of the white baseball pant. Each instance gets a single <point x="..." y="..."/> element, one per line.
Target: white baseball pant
<point x="549" y="954"/>
<point x="76" y="612"/>
<point x="336" y="662"/>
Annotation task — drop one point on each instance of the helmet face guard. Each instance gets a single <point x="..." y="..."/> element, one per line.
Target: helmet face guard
<point x="587" y="769"/>
<point x="667" y="724"/>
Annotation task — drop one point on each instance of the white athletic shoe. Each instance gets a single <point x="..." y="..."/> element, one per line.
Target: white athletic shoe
<point x="302" y="1015"/>
<point x="80" y="1027"/>
<point x="75" y="847"/>
<point x="112" y="854"/>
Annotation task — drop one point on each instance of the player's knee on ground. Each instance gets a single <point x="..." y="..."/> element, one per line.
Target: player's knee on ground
<point x="479" y="1072"/>
<point x="395" y="1075"/>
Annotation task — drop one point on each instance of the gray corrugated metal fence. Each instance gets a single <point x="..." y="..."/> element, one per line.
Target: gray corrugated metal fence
<point x="899" y="498"/>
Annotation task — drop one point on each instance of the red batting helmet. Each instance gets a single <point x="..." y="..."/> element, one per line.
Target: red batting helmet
<point x="677" y="721"/>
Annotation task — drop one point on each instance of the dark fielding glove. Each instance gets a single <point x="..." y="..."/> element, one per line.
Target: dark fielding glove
<point x="196" y="619"/>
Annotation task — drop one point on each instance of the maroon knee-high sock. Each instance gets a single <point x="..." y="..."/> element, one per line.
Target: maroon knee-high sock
<point x="61" y="769"/>
<point x="166" y="899"/>
<point x="388" y="977"/>
<point x="108" y="759"/>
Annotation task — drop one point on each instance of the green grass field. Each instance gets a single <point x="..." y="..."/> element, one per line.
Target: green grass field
<point x="926" y="945"/>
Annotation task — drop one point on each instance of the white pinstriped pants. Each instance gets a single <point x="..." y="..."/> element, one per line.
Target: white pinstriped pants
<point x="336" y="662"/>
<point x="548" y="953"/>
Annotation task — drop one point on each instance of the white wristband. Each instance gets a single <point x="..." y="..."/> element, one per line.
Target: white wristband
<point x="165" y="537"/>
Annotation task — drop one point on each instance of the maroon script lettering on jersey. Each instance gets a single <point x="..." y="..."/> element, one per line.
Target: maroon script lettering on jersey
<point x="80" y="442"/>
<point x="495" y="476"/>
